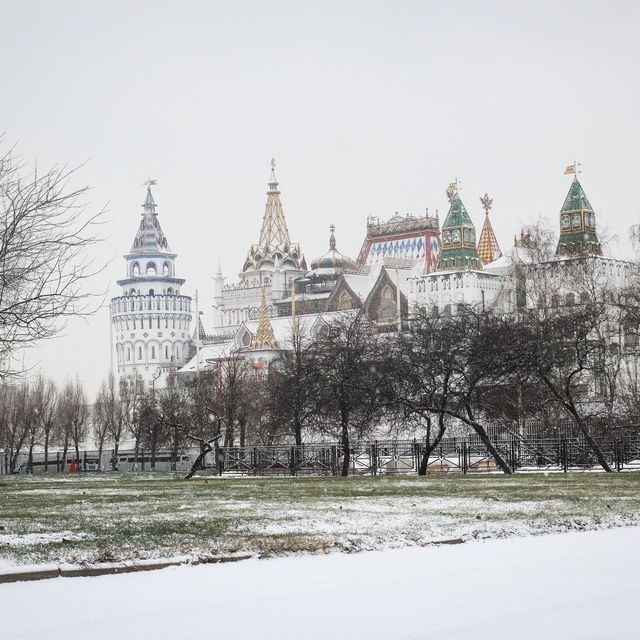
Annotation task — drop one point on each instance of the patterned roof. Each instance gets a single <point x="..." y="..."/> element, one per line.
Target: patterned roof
<point x="149" y="238"/>
<point x="457" y="214"/>
<point x="488" y="248"/>
<point x="576" y="198"/>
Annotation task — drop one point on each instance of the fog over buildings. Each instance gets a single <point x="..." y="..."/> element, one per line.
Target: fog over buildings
<point x="369" y="108"/>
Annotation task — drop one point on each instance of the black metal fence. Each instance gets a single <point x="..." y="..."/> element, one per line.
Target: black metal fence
<point x="378" y="457"/>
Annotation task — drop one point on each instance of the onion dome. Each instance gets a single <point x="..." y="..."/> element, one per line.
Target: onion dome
<point x="333" y="261"/>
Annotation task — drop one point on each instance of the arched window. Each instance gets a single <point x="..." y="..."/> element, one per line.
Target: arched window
<point x="166" y="269"/>
<point x="555" y="300"/>
<point x="128" y="354"/>
<point x="153" y="353"/>
<point x="151" y="269"/>
<point x="139" y="353"/>
<point x="166" y="352"/>
<point x="135" y="270"/>
<point x="584" y="297"/>
<point x="571" y="299"/>
<point x="152" y="292"/>
<point x="169" y="291"/>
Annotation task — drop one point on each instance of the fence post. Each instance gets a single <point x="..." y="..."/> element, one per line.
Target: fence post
<point x="58" y="461"/>
<point x="142" y="455"/>
<point x="84" y="460"/>
<point x="292" y="460"/>
<point x="334" y="456"/>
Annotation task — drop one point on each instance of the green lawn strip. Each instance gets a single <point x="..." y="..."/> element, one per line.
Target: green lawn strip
<point x="120" y="516"/>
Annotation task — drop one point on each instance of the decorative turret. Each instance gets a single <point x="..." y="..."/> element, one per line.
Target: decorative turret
<point x="577" y="224"/>
<point x="264" y="338"/>
<point x="333" y="262"/>
<point x="488" y="248"/>
<point x="458" y="250"/>
<point x="274" y="249"/>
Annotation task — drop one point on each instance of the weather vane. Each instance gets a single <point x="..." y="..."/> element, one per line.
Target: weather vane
<point x="486" y="202"/>
<point x="452" y="189"/>
<point x="149" y="182"/>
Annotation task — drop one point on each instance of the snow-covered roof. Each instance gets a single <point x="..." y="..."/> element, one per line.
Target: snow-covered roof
<point x="211" y="351"/>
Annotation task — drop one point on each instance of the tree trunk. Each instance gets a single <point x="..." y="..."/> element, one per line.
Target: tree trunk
<point x="243" y="431"/>
<point x="174" y="450"/>
<point x="204" y="449"/>
<point x="297" y="430"/>
<point x="486" y="441"/>
<point x="136" y="452"/>
<point x="100" y="445"/>
<point x="30" y="463"/>
<point x="345" y="444"/>
<point x="431" y="446"/>
<point x="76" y="445"/>
<point x="65" y="451"/>
<point x="114" y="460"/>
<point x="595" y="447"/>
<point x="46" y="452"/>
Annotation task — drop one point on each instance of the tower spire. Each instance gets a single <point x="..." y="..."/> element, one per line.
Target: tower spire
<point x="264" y="338"/>
<point x="488" y="247"/>
<point x="149" y="237"/>
<point x="274" y="232"/>
<point x="578" y="234"/>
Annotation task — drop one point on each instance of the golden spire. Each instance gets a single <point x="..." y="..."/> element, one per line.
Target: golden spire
<point x="274" y="232"/>
<point x="264" y="338"/>
<point x="488" y="248"/>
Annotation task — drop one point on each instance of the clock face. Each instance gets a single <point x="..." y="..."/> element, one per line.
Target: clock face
<point x="565" y="222"/>
<point x="576" y="221"/>
<point x="455" y="236"/>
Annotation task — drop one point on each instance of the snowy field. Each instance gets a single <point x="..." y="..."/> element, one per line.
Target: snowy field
<point x="574" y="585"/>
<point x="110" y="517"/>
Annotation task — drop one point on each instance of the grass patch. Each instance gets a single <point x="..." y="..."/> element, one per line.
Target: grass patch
<point x="112" y="516"/>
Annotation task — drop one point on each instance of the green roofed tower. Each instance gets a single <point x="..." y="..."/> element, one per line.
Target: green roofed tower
<point x="577" y="225"/>
<point x="458" y="248"/>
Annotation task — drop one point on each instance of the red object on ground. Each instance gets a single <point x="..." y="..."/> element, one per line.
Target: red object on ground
<point x="73" y="467"/>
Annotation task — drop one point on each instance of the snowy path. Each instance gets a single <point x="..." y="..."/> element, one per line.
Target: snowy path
<point x="576" y="585"/>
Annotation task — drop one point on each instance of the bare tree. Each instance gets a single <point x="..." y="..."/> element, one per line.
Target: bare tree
<point x="44" y="233"/>
<point x="291" y="388"/>
<point x="45" y="397"/>
<point x="348" y="368"/>
<point x="15" y="417"/>
<point x="74" y="413"/>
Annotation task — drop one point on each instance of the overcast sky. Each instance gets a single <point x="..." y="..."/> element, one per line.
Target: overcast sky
<point x="368" y="107"/>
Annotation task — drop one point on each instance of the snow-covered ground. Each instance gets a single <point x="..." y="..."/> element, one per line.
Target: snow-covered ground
<point x="574" y="585"/>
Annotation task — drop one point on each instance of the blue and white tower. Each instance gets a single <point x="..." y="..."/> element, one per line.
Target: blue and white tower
<point x="150" y="320"/>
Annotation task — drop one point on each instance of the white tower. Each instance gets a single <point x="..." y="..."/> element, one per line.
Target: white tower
<point x="151" y="318"/>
